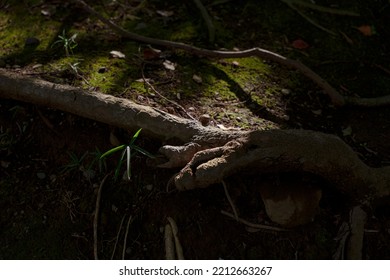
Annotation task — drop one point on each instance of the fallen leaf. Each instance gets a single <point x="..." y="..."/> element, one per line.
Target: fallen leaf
<point x="347" y="131"/>
<point x="317" y="112"/>
<point x="300" y="44"/>
<point x="117" y="54"/>
<point x="169" y="65"/>
<point x="197" y="79"/>
<point x="235" y="63"/>
<point x="151" y="53"/>
<point x="142" y="80"/>
<point x="366" y="30"/>
<point x="165" y="13"/>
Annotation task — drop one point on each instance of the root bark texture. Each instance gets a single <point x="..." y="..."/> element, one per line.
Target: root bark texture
<point x="208" y="154"/>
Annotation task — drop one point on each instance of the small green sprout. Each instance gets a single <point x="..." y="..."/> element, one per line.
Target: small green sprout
<point x="127" y="150"/>
<point x="75" y="162"/>
<point x="68" y="43"/>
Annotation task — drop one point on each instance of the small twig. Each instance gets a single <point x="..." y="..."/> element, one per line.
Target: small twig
<point x="358" y="218"/>
<point x="125" y="238"/>
<point x="230" y="200"/>
<point x="290" y="4"/>
<point x="169" y="245"/>
<point x="207" y="19"/>
<point x="249" y="224"/>
<point x="323" y="9"/>
<point x="117" y="236"/>
<point x="387" y="71"/>
<point x="179" y="249"/>
<point x="47" y="122"/>
<point x="162" y="96"/>
<point x="96" y="218"/>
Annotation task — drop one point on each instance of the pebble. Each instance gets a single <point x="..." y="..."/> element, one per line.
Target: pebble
<point x="32" y="42"/>
<point x="205" y="119"/>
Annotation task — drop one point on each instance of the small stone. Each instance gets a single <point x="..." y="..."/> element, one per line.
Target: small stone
<point x="205" y="119"/>
<point x="37" y="66"/>
<point x="32" y="42"/>
<point x="149" y="187"/>
<point x="197" y="79"/>
<point x="102" y="70"/>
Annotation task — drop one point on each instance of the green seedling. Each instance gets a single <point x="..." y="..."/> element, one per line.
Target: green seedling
<point x="128" y="151"/>
<point x="75" y="162"/>
<point x="67" y="43"/>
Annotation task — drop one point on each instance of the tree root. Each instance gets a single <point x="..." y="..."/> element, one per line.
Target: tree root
<point x="209" y="154"/>
<point x="316" y="153"/>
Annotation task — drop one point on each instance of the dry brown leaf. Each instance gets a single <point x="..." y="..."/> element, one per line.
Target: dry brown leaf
<point x="366" y="30"/>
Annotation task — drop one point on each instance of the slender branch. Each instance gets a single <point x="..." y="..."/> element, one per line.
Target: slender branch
<point x="321" y="8"/>
<point x="126" y="235"/>
<point x="96" y="218"/>
<point x="252" y="225"/>
<point x="175" y="231"/>
<point x="290" y="4"/>
<point x="230" y="200"/>
<point x="162" y="96"/>
<point x="207" y="19"/>
<point x="117" y="237"/>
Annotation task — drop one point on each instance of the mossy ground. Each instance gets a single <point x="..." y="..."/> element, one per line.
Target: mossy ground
<point x="56" y="210"/>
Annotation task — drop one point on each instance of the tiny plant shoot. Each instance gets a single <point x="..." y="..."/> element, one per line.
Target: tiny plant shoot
<point x="128" y="151"/>
<point x="67" y="43"/>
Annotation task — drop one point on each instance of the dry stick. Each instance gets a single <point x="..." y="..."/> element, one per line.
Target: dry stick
<point x="169" y="245"/>
<point x="179" y="249"/>
<point x="117" y="236"/>
<point x="249" y="224"/>
<point x="321" y="8"/>
<point x="290" y="4"/>
<point x="336" y="98"/>
<point x="230" y="200"/>
<point x="96" y="218"/>
<point x="125" y="238"/>
<point x="162" y="96"/>
<point x="358" y="219"/>
<point x="207" y="19"/>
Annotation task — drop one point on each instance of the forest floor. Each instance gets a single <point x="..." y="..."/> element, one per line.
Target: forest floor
<point x="49" y="160"/>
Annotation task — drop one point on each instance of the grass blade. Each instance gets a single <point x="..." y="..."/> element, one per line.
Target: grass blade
<point x="113" y="150"/>
<point x="142" y="151"/>
<point x="118" y="167"/>
<point x="135" y="136"/>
